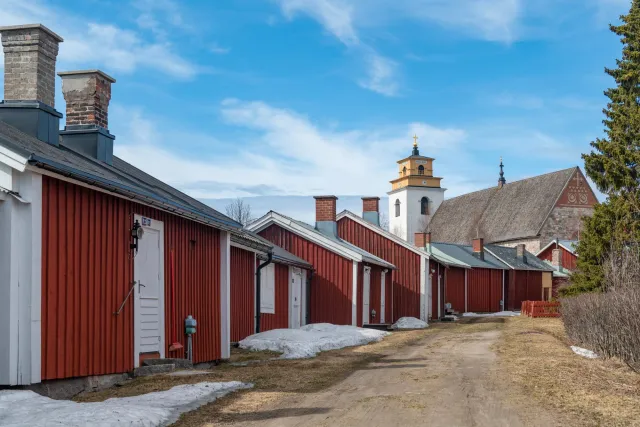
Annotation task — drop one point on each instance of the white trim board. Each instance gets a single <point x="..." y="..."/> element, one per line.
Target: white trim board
<point x="553" y="242"/>
<point x="315" y="237"/>
<point x="354" y="296"/>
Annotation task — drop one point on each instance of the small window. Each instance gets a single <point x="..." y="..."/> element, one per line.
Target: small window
<point x="424" y="206"/>
<point x="420" y="170"/>
<point x="267" y="289"/>
<point x="397" y="207"/>
<point x="404" y="171"/>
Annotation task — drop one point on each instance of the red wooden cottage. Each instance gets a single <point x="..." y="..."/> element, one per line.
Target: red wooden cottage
<point x="568" y="257"/>
<point x="349" y="286"/>
<point x="282" y="300"/>
<point x="528" y="277"/>
<point x="413" y="289"/>
<point x="100" y="263"/>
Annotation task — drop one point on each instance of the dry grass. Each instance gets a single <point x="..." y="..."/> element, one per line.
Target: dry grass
<point x="535" y="354"/>
<point x="272" y="379"/>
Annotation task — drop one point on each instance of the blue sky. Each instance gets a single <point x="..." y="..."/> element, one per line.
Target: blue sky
<point x="299" y="97"/>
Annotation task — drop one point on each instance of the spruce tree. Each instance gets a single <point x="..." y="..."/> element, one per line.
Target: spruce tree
<point x="614" y="164"/>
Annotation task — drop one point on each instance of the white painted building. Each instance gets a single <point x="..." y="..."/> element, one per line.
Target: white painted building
<point x="415" y="196"/>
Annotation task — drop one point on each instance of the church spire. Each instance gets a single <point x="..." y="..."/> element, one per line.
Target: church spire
<point x="501" y="180"/>
<point x="415" y="151"/>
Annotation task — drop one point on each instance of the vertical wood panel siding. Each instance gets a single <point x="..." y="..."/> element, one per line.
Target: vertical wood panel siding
<point x="331" y="286"/>
<point x="484" y="290"/>
<point x="406" y="279"/>
<point x="454" y="289"/>
<point x="242" y="294"/>
<point x="280" y="319"/>
<point x="87" y="271"/>
<point x="568" y="259"/>
<point x="524" y="286"/>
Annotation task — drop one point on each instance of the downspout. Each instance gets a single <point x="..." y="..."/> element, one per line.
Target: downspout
<point x="307" y="303"/>
<point x="260" y="267"/>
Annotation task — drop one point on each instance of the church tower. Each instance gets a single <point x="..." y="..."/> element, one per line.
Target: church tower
<point x="415" y="195"/>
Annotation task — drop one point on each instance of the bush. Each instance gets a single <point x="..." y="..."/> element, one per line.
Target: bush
<point x="609" y="322"/>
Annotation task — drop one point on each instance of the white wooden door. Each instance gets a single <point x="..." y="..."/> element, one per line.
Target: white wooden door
<point x="295" y="297"/>
<point x="366" y="292"/>
<point x="382" y="296"/>
<point x="149" y="291"/>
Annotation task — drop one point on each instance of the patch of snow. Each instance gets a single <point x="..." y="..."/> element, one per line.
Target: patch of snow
<point x="26" y="408"/>
<point x="584" y="352"/>
<point x="498" y="314"/>
<point x="310" y="340"/>
<point x="187" y="373"/>
<point x="409" y="323"/>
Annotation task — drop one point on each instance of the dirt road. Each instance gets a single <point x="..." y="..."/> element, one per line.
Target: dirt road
<point x="447" y="379"/>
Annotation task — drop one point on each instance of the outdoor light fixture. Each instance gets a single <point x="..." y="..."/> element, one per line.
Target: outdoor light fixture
<point x="136" y="232"/>
<point x="373" y="313"/>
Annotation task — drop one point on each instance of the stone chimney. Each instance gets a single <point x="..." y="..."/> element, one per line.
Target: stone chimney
<point x="87" y="94"/>
<point x="371" y="210"/>
<point x="556" y="258"/>
<point x="521" y="253"/>
<point x="326" y="215"/>
<point x="478" y="248"/>
<point x="30" y="53"/>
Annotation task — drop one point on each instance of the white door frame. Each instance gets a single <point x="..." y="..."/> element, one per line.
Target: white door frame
<point x="292" y="285"/>
<point x="159" y="227"/>
<point x="383" y="302"/>
<point x="366" y="295"/>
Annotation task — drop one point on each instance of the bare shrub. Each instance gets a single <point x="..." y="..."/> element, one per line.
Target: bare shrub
<point x="609" y="322"/>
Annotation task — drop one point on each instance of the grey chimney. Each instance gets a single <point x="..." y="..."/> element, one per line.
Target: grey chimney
<point x="556" y="258"/>
<point x="521" y="253"/>
<point x="30" y="53"/>
<point x="87" y="94"/>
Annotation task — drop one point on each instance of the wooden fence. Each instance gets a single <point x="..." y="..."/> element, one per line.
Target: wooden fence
<point x="540" y="309"/>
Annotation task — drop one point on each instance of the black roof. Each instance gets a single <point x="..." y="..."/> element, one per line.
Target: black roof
<point x="509" y="257"/>
<point x="120" y="178"/>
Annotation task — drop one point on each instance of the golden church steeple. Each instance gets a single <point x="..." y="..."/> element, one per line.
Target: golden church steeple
<point x="415" y="171"/>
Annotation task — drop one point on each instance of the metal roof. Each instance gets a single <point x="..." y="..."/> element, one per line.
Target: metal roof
<point x="464" y="254"/>
<point x="508" y="256"/>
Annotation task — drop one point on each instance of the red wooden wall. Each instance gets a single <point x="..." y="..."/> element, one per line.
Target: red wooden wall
<point x="87" y="271"/>
<point x="484" y="290"/>
<point x="454" y="289"/>
<point x="524" y="285"/>
<point x="331" y="285"/>
<point x="438" y="270"/>
<point x="280" y="319"/>
<point x="242" y="294"/>
<point x="406" y="279"/>
<point x="568" y="259"/>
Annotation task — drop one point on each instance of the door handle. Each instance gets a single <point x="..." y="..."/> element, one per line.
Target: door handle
<point x="140" y="286"/>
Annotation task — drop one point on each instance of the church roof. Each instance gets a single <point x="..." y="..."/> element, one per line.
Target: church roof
<point x="518" y="210"/>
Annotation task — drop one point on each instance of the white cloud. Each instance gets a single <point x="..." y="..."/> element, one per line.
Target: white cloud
<point x="286" y="153"/>
<point x="381" y="75"/>
<point x="91" y="44"/>
<point x="334" y="15"/>
<point x="219" y="50"/>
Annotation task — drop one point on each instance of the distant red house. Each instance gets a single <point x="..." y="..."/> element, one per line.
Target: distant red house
<point x="568" y="255"/>
<point x="349" y="285"/>
<point x="283" y="290"/>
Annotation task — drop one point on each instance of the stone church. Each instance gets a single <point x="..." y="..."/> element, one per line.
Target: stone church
<point x="533" y="211"/>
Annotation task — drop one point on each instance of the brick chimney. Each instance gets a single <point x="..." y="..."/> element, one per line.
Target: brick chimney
<point x="326" y="215"/>
<point x="521" y="253"/>
<point x="478" y="248"/>
<point x="30" y="53"/>
<point x="556" y="258"/>
<point x="87" y="94"/>
<point x="371" y="210"/>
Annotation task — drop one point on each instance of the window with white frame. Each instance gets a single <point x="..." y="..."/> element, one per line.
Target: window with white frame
<point x="268" y="289"/>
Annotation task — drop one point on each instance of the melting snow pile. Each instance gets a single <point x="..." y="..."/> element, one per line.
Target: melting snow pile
<point x="498" y="314"/>
<point x="409" y="323"/>
<point x="26" y="408"/>
<point x="584" y="352"/>
<point x="310" y="339"/>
